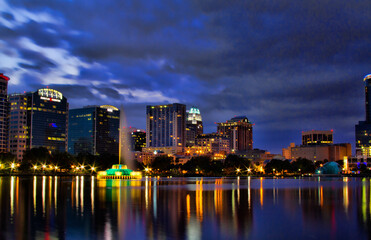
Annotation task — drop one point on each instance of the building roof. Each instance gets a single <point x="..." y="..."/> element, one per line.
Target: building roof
<point x="2" y="76"/>
<point x="368" y="76"/>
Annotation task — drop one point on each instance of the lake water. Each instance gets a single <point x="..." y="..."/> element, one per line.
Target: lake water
<point x="184" y="208"/>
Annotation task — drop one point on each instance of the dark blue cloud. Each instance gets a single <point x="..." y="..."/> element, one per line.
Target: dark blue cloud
<point x="288" y="65"/>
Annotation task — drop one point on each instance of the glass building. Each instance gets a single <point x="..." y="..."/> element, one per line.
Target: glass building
<point x="94" y="130"/>
<point x="47" y="120"/>
<point x="363" y="128"/>
<point x="4" y="113"/>
<point x="138" y="140"/>
<point x="38" y="119"/>
<point x="166" y="126"/>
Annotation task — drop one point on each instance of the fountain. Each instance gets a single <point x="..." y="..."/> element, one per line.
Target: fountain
<point x="126" y="155"/>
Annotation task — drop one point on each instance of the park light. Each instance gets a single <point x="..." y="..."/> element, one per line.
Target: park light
<point x="147" y="169"/>
<point x="12" y="166"/>
<point x="35" y="167"/>
<point x="82" y="167"/>
<point x="238" y="170"/>
<point x="93" y="168"/>
<point x="55" y="167"/>
<point x="249" y="169"/>
<point x="77" y="168"/>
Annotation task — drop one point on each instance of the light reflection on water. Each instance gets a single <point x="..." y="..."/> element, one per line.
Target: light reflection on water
<point x="185" y="208"/>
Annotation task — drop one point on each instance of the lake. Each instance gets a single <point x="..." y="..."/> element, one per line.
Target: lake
<point x="83" y="207"/>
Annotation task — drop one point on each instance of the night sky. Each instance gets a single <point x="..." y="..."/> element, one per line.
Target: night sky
<point x="289" y="66"/>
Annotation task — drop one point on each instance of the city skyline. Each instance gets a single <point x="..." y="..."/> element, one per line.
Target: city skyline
<point x="288" y="66"/>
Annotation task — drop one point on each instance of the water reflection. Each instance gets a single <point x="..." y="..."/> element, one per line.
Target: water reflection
<point x="194" y="208"/>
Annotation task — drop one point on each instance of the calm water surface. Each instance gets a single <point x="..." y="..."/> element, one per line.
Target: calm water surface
<point x="184" y="208"/>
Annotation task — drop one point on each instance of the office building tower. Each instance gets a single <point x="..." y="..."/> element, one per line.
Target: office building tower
<point x="239" y="132"/>
<point x="46" y="121"/>
<point x="18" y="129"/>
<point x="363" y="128"/>
<point x="94" y="130"/>
<point x="166" y="127"/>
<point x="316" y="137"/>
<point x="193" y="126"/>
<point x="4" y="113"/>
<point x="138" y="140"/>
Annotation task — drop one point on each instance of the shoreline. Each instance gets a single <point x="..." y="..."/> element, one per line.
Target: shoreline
<point x="187" y="176"/>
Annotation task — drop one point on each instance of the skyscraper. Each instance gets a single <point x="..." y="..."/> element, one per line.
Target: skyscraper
<point x="363" y="128"/>
<point x="138" y="140"/>
<point x="166" y="127"/>
<point x="239" y="132"/>
<point x="45" y="123"/>
<point x="4" y="113"/>
<point x="193" y="126"/>
<point x="18" y="125"/>
<point x="94" y="130"/>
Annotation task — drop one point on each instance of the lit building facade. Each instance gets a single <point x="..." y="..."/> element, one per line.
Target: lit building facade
<point x="330" y="152"/>
<point x="38" y="119"/>
<point x="239" y="132"/>
<point x="94" y="130"/>
<point x="138" y="139"/>
<point x="4" y="113"/>
<point x="47" y="120"/>
<point x="166" y="127"/>
<point x="316" y="137"/>
<point x="363" y="128"/>
<point x="286" y="152"/>
<point x="194" y="126"/>
<point x="213" y="143"/>
<point x="18" y="129"/>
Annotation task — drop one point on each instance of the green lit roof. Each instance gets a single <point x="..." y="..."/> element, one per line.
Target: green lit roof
<point x="194" y="110"/>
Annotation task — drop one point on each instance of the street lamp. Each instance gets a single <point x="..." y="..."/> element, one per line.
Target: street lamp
<point x="12" y="166"/>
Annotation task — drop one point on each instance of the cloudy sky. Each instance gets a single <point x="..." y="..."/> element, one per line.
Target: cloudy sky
<point x="287" y="65"/>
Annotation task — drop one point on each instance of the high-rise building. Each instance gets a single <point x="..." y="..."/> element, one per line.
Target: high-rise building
<point x="363" y="128"/>
<point x="46" y="121"/>
<point x="166" y="127"/>
<point x="193" y="126"/>
<point x="239" y="132"/>
<point x="94" y="130"/>
<point x="316" y="137"/>
<point x="138" y="139"/>
<point x="4" y="113"/>
<point x="18" y="125"/>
